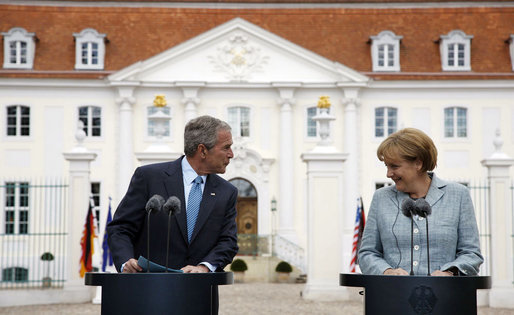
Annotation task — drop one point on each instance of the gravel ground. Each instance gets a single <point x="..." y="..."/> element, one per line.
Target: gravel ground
<point x="241" y="299"/>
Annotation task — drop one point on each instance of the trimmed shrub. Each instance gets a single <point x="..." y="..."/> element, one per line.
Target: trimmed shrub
<point x="283" y="267"/>
<point x="238" y="265"/>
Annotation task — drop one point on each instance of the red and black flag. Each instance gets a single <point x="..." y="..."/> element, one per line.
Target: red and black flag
<point x="87" y="244"/>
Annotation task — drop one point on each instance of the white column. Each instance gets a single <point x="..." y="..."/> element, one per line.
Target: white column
<point x="351" y="174"/>
<point x="125" y="136"/>
<point x="501" y="294"/>
<point x="190" y="102"/>
<point x="78" y="203"/>
<point x="285" y="202"/>
<point x="324" y="225"/>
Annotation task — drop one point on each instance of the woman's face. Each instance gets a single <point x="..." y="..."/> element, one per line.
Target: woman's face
<point x="404" y="173"/>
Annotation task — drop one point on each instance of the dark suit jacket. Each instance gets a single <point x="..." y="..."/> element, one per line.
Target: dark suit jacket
<point x="214" y="238"/>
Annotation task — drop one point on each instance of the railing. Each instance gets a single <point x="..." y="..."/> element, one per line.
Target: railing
<point x="512" y="226"/>
<point x="33" y="233"/>
<point x="479" y="192"/>
<point x="267" y="245"/>
<point x="290" y="252"/>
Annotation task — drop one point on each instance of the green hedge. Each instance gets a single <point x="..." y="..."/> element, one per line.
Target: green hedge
<point x="238" y="265"/>
<point x="283" y="267"/>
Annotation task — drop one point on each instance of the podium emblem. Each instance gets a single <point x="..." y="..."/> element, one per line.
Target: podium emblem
<point x="422" y="299"/>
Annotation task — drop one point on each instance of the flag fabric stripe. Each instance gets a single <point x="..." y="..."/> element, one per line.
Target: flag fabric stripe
<point x="360" y="221"/>
<point x="107" y="257"/>
<point x="86" y="243"/>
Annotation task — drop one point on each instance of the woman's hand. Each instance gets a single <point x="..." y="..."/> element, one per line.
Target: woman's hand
<point x="395" y="272"/>
<point x="439" y="273"/>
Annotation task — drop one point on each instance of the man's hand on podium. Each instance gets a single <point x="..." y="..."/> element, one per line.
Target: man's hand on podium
<point x="131" y="266"/>
<point x="195" y="269"/>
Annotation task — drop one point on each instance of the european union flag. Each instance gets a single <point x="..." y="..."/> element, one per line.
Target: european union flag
<point x="107" y="257"/>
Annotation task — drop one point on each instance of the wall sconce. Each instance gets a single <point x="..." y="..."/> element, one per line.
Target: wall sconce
<point x="273" y="204"/>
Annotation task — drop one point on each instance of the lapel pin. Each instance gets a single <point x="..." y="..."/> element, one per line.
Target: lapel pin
<point x="213" y="194"/>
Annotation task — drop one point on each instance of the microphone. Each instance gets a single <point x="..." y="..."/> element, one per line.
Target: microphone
<point x="154" y="204"/>
<point x="424" y="209"/>
<point x="408" y="209"/>
<point x="172" y="207"/>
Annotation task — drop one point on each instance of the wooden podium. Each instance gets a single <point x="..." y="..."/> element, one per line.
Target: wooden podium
<point x="158" y="293"/>
<point x="417" y="294"/>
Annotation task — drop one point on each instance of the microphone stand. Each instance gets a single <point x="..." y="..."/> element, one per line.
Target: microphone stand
<point x="428" y="251"/>
<point x="411" y="242"/>
<point x="148" y="243"/>
<point x="168" y="243"/>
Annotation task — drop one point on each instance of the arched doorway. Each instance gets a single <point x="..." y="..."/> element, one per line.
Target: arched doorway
<point x="246" y="216"/>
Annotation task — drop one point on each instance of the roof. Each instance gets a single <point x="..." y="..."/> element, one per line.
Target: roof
<point x="339" y="34"/>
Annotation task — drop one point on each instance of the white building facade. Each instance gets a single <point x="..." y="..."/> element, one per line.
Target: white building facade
<point x="267" y="88"/>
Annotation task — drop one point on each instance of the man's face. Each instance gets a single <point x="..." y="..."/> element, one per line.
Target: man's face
<point x="218" y="157"/>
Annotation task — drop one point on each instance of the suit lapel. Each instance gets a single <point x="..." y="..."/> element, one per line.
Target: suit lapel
<point x="174" y="184"/>
<point x="207" y="204"/>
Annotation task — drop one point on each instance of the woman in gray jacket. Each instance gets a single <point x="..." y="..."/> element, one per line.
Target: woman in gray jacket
<point x="410" y="156"/>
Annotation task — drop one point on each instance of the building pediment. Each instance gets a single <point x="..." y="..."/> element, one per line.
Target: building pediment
<point x="238" y="51"/>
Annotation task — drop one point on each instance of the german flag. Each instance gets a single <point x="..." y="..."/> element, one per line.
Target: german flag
<point x="87" y="244"/>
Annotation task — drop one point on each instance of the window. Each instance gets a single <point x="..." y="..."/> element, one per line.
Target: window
<point x="91" y="116"/>
<point x="312" y="125"/>
<point x="456" y="51"/>
<point x="386" y="121"/>
<point x="95" y="197"/>
<point x="385" y="51"/>
<point x="18" y="120"/>
<point x="15" y="274"/>
<point x="239" y="121"/>
<point x="455" y="122"/>
<point x="511" y="49"/>
<point x="155" y="121"/>
<point x="19" y="49"/>
<point x="89" y="50"/>
<point x="16" y="208"/>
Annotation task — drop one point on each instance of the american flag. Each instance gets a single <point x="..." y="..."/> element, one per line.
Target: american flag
<point x="360" y="221"/>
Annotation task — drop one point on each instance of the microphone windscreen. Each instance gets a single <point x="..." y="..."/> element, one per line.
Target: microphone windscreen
<point x="155" y="203"/>
<point x="407" y="207"/>
<point x="172" y="205"/>
<point x="423" y="208"/>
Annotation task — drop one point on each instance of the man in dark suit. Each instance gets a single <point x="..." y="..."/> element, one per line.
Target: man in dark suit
<point x="202" y="242"/>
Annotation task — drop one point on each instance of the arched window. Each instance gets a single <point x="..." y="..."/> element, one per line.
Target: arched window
<point x="19" y="49"/>
<point x="89" y="49"/>
<point x="244" y="188"/>
<point x="456" y="51"/>
<point x="385" y="51"/>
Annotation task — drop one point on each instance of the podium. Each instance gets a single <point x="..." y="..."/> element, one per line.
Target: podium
<point x="158" y="293"/>
<point x="417" y="294"/>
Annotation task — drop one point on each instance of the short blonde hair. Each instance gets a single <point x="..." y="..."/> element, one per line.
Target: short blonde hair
<point x="409" y="144"/>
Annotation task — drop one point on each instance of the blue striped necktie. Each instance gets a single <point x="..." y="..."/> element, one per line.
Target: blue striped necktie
<point x="193" y="205"/>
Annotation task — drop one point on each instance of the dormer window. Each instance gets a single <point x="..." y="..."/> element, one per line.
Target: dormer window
<point x="19" y="49"/>
<point x="456" y="51"/>
<point x="511" y="49"/>
<point x="89" y="50"/>
<point x="385" y="51"/>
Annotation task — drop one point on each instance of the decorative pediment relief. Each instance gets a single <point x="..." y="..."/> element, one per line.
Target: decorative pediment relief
<point x="238" y="58"/>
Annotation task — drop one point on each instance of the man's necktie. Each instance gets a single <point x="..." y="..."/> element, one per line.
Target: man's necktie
<point x="193" y="205"/>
